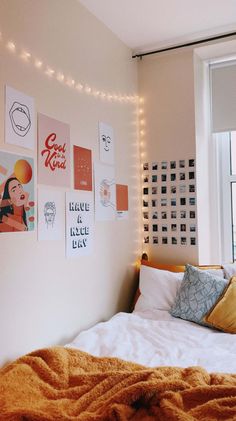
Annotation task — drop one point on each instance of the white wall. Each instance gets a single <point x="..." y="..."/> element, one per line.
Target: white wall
<point x="166" y="84"/>
<point x="45" y="298"/>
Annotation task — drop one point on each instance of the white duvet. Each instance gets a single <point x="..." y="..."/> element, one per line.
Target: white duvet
<point x="155" y="338"/>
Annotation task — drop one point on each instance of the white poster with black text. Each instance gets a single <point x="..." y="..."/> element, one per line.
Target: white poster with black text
<point x="79" y="223"/>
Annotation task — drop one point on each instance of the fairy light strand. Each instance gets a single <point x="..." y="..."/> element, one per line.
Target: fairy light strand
<point x="68" y="81"/>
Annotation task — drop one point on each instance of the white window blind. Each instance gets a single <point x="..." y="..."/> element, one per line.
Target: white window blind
<point x="223" y="97"/>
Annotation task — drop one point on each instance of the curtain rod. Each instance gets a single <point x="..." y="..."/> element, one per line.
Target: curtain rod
<point x="188" y="44"/>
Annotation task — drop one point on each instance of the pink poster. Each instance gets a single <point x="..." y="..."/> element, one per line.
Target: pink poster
<point x="53" y="152"/>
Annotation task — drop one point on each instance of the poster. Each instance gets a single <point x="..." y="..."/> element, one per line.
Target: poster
<point x="79" y="223"/>
<point x="51" y="214"/>
<point x="19" y="119"/>
<point x="122" y="201"/>
<point x="106" y="143"/>
<point x="16" y="193"/>
<point x="53" y="152"/>
<point x="82" y="168"/>
<point x="105" y="192"/>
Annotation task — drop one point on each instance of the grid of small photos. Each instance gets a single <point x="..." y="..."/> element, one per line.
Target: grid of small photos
<point x="169" y="203"/>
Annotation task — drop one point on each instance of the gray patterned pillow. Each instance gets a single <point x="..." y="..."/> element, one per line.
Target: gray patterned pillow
<point x="197" y="295"/>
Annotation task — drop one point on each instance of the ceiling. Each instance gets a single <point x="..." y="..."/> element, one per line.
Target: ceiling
<point x="144" y="25"/>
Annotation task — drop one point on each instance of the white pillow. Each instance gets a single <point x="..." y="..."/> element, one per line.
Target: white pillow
<point x="158" y="288"/>
<point x="229" y="270"/>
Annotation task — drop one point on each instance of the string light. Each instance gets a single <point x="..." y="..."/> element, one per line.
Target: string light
<point x="25" y="55"/>
<point x="68" y="81"/>
<point x="38" y="63"/>
<point x="50" y="72"/>
<point x="11" y="46"/>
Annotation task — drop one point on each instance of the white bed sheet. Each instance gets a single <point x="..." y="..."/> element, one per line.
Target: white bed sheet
<point x="155" y="338"/>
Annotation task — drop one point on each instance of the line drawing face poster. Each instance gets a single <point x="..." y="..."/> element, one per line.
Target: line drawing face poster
<point x="19" y="119"/>
<point x="105" y="192"/>
<point x="106" y="143"/>
<point x="79" y="223"/>
<point x="53" y="152"/>
<point x="16" y="193"/>
<point x="122" y="205"/>
<point x="82" y="168"/>
<point x="51" y="214"/>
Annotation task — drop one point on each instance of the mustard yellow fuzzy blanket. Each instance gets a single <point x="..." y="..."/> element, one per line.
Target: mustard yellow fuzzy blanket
<point x="59" y="384"/>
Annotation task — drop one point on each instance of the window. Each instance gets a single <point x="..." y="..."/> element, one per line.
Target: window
<point x="226" y="153"/>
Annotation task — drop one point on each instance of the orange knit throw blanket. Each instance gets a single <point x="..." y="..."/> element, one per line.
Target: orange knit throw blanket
<point x="59" y="384"/>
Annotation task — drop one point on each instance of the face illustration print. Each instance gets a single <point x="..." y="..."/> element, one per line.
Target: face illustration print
<point x="106" y="142"/>
<point x="49" y="213"/>
<point x="20" y="118"/>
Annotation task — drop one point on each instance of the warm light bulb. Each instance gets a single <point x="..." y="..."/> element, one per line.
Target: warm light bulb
<point x="11" y="46"/>
<point x="79" y="87"/>
<point x="60" y="77"/>
<point x="25" y="55"/>
<point x="49" y="71"/>
<point x="38" y="63"/>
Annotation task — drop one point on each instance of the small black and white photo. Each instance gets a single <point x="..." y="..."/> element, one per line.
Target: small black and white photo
<point x="163" y="177"/>
<point x="145" y="203"/>
<point x="154" y="190"/>
<point x="181" y="163"/>
<point x="164" y="165"/>
<point x="182" y="227"/>
<point x="192" y="215"/>
<point x="182" y="201"/>
<point x="182" y="176"/>
<point x="146" y="227"/>
<point x="155" y="240"/>
<point x="182" y="188"/>
<point x="191" y="162"/>
<point x="173" y="189"/>
<point x="163" y="190"/>
<point x="191" y="188"/>
<point x="146" y="239"/>
<point x="154" y="166"/>
<point x="183" y="241"/>
<point x="146" y="179"/>
<point x="192" y="228"/>
<point x="154" y="203"/>
<point x="155" y="227"/>
<point x="145" y="215"/>
<point x="173" y="177"/>
<point x="173" y="215"/>
<point x="182" y="214"/>
<point x="193" y="241"/>
<point x="174" y="240"/>
<point x="154" y="215"/>
<point x="173" y="202"/>
<point x="192" y="201"/>
<point x="145" y="190"/>
<point x="173" y="227"/>
<point x="154" y="178"/>
<point x="163" y="215"/>
<point x="164" y="240"/>
<point x="164" y="228"/>
<point x="191" y="175"/>
<point x="172" y="165"/>
<point x="145" y="166"/>
<point x="163" y="202"/>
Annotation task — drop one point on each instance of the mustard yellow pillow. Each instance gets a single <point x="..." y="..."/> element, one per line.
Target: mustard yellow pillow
<point x="223" y="315"/>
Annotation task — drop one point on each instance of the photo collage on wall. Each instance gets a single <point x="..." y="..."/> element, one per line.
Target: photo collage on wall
<point x="169" y="203"/>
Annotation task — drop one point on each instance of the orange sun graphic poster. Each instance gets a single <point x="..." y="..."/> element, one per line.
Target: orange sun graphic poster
<point x="82" y="168"/>
<point x="16" y="193"/>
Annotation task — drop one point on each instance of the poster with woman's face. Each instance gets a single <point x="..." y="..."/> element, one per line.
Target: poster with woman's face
<point x="16" y="193"/>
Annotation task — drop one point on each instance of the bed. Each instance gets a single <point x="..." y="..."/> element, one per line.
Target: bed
<point x="145" y="365"/>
